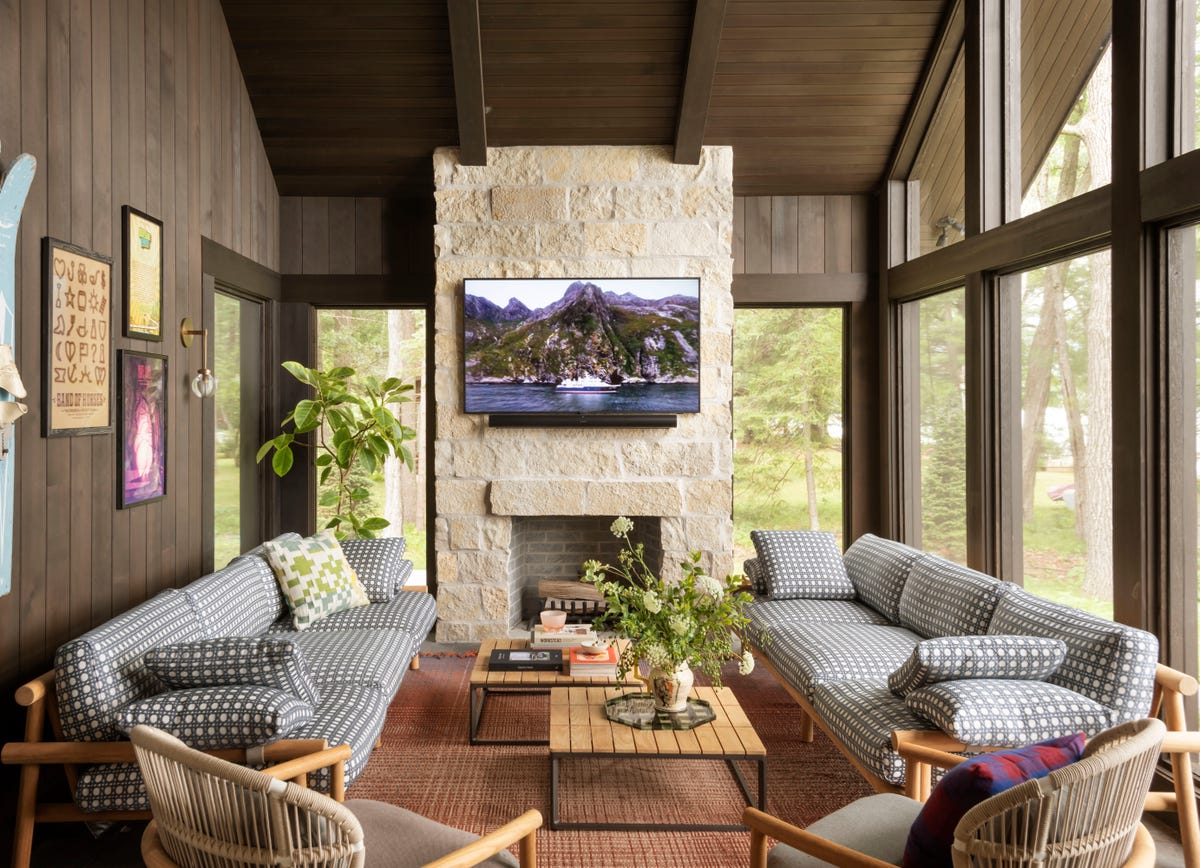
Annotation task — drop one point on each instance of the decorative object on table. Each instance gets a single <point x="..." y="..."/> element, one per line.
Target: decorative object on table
<point x="525" y="660"/>
<point x="142" y="281"/>
<point x="568" y="637"/>
<point x="14" y="187"/>
<point x="204" y="383"/>
<point x="672" y="625"/>
<point x="353" y="429"/>
<point x="143" y="402"/>
<point x="553" y="620"/>
<point x="77" y="322"/>
<point x="640" y="711"/>
<point x="584" y="663"/>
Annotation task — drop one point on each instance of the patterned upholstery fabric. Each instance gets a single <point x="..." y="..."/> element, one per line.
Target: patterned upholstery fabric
<point x="111" y="787"/>
<point x="942" y="598"/>
<point x="376" y="657"/>
<point x="754" y="572"/>
<point x="411" y="611"/>
<point x="953" y="658"/>
<point x="102" y="671"/>
<point x="315" y="577"/>
<point x="862" y="714"/>
<point x="768" y="614"/>
<point x="270" y="662"/>
<point x="878" y="569"/>
<point x="235" y="601"/>
<point x="1007" y="713"/>
<point x="808" y="655"/>
<point x="376" y="562"/>
<point x="211" y="718"/>
<point x="801" y="563"/>
<point x="1108" y="662"/>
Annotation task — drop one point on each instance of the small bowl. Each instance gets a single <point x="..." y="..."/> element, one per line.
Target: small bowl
<point x="553" y="620"/>
<point x="594" y="649"/>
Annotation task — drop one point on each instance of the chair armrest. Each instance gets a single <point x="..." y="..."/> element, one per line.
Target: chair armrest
<point x="523" y="828"/>
<point x="932" y="748"/>
<point x="298" y="767"/>
<point x="764" y="825"/>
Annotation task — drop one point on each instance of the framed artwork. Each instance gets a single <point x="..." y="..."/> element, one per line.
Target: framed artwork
<point x="142" y="477"/>
<point x="77" y="324"/>
<point x="142" y="282"/>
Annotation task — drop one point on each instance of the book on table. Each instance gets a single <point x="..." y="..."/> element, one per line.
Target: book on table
<point x="569" y="636"/>
<point x="525" y="660"/>
<point x="581" y="664"/>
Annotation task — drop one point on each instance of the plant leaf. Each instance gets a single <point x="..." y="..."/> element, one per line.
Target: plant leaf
<point x="282" y="462"/>
<point x="264" y="449"/>
<point x="307" y="415"/>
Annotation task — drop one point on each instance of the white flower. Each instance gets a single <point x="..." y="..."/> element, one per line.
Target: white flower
<point x="656" y="656"/>
<point x="679" y="625"/>
<point x="708" y="586"/>
<point x="651" y="602"/>
<point x="621" y="526"/>
<point x="746" y="664"/>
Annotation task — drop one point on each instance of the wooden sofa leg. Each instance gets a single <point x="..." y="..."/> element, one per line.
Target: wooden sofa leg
<point x="806" y="727"/>
<point x="26" y="811"/>
<point x="1185" y="795"/>
<point x="415" y="663"/>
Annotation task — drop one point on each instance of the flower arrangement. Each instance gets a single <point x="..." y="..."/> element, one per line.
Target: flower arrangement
<point x="669" y="623"/>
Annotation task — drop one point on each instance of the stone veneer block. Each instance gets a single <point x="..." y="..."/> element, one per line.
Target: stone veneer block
<point x="462" y="206"/>
<point x="529" y="203"/>
<point x="592" y="203"/>
<point x="461" y="497"/>
<point x="605" y="165"/>
<point x="483" y="568"/>
<point x="626" y="239"/>
<point x="533" y="497"/>
<point x="634" y="498"/>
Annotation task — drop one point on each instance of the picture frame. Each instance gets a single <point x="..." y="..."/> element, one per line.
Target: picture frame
<point x="142" y="275"/>
<point x="77" y="326"/>
<point x="142" y="474"/>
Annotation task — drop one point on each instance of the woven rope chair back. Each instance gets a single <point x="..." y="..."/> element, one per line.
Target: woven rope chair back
<point x="1084" y="815"/>
<point x="216" y="814"/>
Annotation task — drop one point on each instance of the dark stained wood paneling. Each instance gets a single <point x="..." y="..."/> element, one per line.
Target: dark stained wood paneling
<point x="121" y="104"/>
<point x="803" y="235"/>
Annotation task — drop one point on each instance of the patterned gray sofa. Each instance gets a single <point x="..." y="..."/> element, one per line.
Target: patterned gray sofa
<point x="888" y="638"/>
<point x="350" y="664"/>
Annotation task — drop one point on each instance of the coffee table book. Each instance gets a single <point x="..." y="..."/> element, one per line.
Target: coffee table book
<point x="568" y="637"/>
<point x="582" y="665"/>
<point x="525" y="660"/>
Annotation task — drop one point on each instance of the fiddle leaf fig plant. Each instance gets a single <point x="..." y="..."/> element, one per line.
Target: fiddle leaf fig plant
<point x="353" y="432"/>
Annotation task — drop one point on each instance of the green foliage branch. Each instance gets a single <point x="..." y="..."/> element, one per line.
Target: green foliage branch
<point x="355" y="430"/>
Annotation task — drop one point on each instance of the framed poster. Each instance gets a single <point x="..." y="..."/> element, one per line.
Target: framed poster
<point x="142" y="477"/>
<point x="142" y="281"/>
<point x="77" y="324"/>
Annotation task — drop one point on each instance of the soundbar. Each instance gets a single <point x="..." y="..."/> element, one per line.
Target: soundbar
<point x="582" y="420"/>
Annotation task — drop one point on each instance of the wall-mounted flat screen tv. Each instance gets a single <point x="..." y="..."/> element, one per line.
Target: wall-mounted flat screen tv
<point x="582" y="346"/>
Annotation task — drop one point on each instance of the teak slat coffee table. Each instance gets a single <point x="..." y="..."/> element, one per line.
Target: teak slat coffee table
<point x="579" y="728"/>
<point x="484" y="682"/>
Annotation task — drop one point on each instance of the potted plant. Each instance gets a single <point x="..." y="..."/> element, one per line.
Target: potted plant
<point x="354" y="431"/>
<point x="672" y="625"/>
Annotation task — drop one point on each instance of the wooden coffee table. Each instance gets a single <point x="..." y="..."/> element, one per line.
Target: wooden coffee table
<point x="485" y="682"/>
<point x="579" y="728"/>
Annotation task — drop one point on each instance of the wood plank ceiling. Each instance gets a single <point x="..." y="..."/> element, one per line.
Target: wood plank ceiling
<point x="353" y="96"/>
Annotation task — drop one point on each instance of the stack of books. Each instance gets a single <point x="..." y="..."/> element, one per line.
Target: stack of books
<point x="583" y="665"/>
<point x="568" y="637"/>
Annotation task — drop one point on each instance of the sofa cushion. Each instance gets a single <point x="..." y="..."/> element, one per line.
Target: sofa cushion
<point x="770" y="614"/>
<point x="807" y="655"/>
<point x="270" y="662"/>
<point x="997" y="713"/>
<point x="942" y="598"/>
<point x="931" y="838"/>
<point x="377" y="657"/>
<point x="754" y="573"/>
<point x="878" y="569"/>
<point x="801" y="563"/>
<point x="376" y="562"/>
<point x="1108" y="662"/>
<point x="954" y="658"/>
<point x="232" y="601"/>
<point x="211" y="718"/>
<point x="862" y="715"/>
<point x="102" y="670"/>
<point x="315" y="577"/>
<point x="350" y="714"/>
<point x="414" y="612"/>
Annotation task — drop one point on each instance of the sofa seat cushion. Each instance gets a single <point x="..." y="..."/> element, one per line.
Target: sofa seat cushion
<point x="807" y="655"/>
<point x="410" y="839"/>
<point x="768" y="615"/>
<point x="862" y="715"/>
<point x="378" y="657"/>
<point x="414" y="612"/>
<point x="270" y="661"/>
<point x="876" y="825"/>
<point x="213" y="718"/>
<point x="350" y="714"/>
<point x="954" y="658"/>
<point x="999" y="713"/>
<point x="801" y="564"/>
<point x="1108" y="662"/>
<point x="376" y="562"/>
<point x="942" y="598"/>
<point x="878" y="569"/>
<point x="243" y="599"/>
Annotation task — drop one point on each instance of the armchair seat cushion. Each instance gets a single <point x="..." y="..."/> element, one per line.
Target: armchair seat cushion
<point x="808" y="655"/>
<point x="877" y="826"/>
<point x="398" y="838"/>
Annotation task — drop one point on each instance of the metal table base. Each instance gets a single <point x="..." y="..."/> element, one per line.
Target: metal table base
<point x="479" y="694"/>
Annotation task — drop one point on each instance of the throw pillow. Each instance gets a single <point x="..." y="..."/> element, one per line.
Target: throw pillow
<point x="754" y="573"/>
<point x="966" y="785"/>
<point x="277" y="663"/>
<point x="952" y="658"/>
<point x="213" y="718"/>
<point x="376" y="562"/>
<point x="315" y="577"/>
<point x="801" y="563"/>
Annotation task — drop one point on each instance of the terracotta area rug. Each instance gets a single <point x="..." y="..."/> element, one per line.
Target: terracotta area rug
<point x="426" y="765"/>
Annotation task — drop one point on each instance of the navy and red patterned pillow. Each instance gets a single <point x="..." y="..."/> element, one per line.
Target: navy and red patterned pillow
<point x="969" y="783"/>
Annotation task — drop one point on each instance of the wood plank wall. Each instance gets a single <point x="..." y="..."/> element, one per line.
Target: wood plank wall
<point x="122" y="102"/>
<point x="802" y="235"/>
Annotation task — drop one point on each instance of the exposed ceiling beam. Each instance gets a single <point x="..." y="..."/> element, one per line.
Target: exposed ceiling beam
<point x="466" y="50"/>
<point x="698" y="82"/>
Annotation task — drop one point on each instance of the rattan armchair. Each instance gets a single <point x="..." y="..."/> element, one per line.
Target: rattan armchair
<point x="211" y="812"/>
<point x="1082" y="815"/>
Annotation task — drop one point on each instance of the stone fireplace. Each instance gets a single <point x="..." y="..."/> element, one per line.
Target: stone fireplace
<point x="577" y="212"/>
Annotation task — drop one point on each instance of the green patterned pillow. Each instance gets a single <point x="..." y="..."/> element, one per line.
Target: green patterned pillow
<point x="315" y="577"/>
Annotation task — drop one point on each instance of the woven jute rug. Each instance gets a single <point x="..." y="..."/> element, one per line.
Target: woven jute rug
<point x="425" y="764"/>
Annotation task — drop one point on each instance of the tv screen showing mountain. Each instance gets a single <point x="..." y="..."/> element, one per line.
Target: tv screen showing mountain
<point x="604" y="345"/>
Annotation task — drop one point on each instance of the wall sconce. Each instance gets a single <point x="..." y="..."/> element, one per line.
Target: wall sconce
<point x="946" y="223"/>
<point x="204" y="384"/>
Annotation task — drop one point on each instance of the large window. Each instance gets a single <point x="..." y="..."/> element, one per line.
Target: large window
<point x="787" y="419"/>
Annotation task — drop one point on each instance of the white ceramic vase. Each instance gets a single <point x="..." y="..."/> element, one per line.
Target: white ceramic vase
<point x="671" y="689"/>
